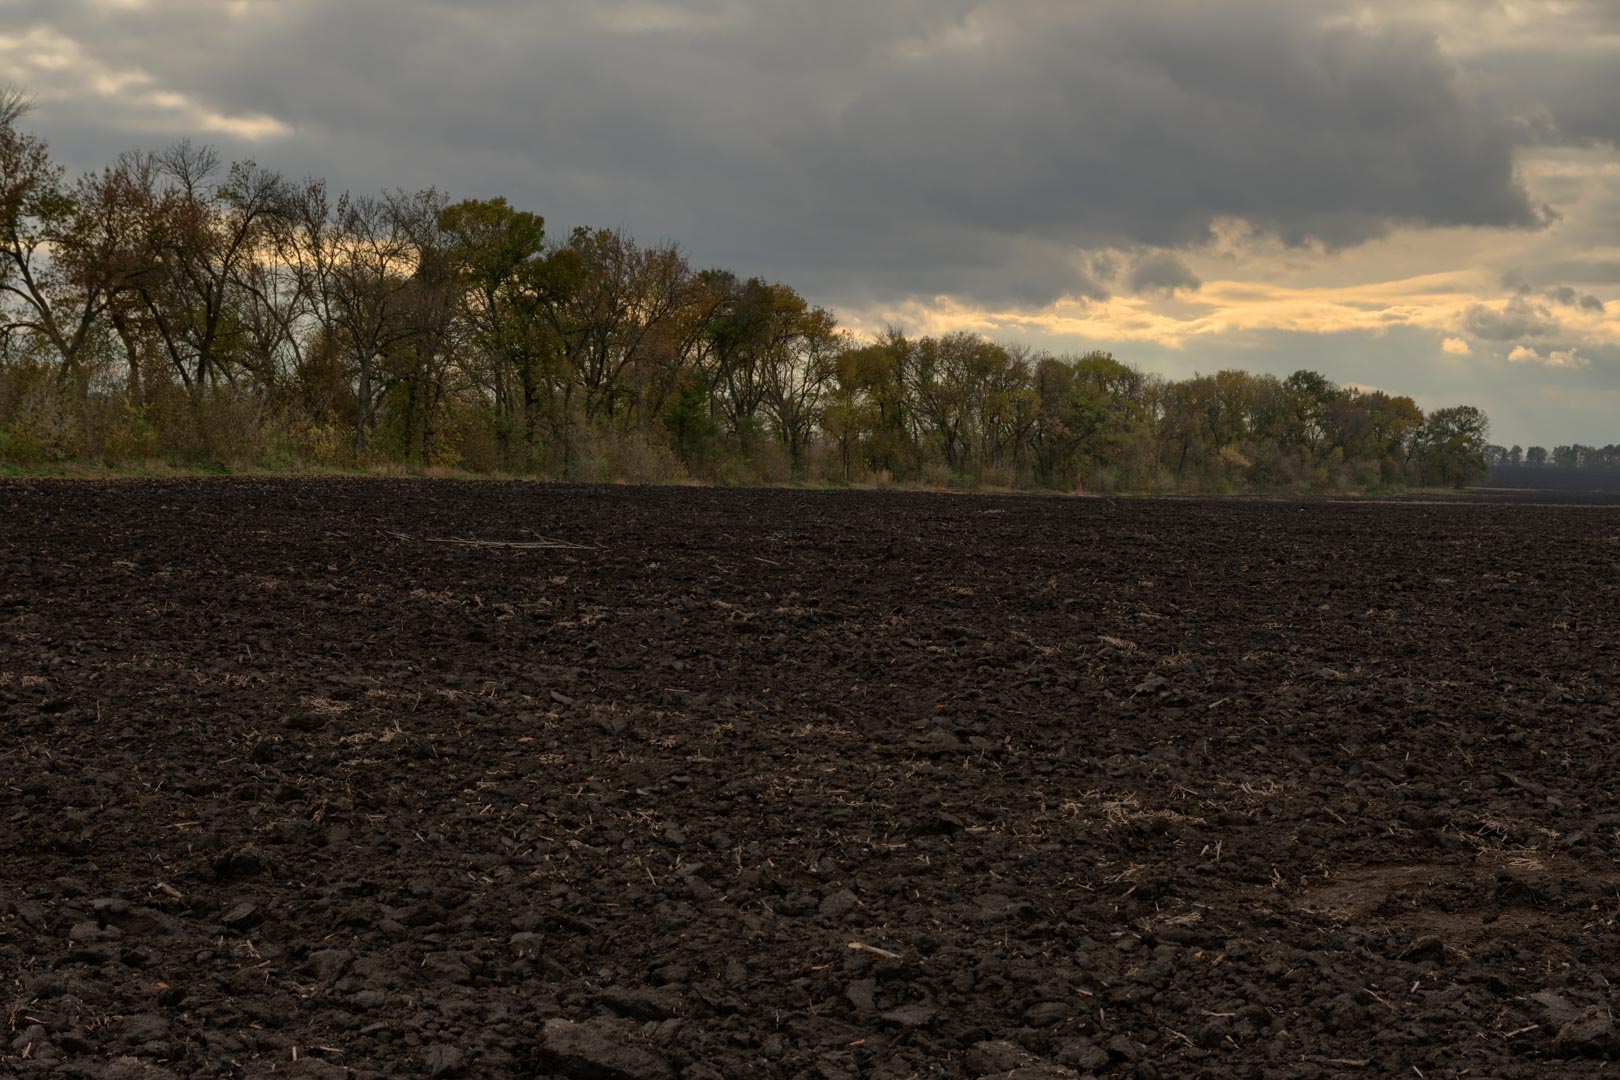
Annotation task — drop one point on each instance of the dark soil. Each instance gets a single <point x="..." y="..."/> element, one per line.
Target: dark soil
<point x="754" y="784"/>
<point x="1552" y="480"/>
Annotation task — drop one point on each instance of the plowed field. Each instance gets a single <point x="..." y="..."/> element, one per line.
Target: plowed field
<point x="397" y="778"/>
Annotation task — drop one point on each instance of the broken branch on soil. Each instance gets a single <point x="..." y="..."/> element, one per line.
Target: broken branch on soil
<point x="861" y="946"/>
<point x="1380" y="1000"/>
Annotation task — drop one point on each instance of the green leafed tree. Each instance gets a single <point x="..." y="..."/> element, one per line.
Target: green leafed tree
<point x="1452" y="446"/>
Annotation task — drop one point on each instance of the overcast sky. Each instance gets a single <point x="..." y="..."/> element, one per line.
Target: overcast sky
<point x="1417" y="195"/>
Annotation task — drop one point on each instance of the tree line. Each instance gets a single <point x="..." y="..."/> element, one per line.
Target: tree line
<point x="171" y="305"/>
<point x="1575" y="456"/>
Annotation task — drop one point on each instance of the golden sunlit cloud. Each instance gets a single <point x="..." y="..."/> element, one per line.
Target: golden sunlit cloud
<point x="1220" y="308"/>
<point x="1480" y="292"/>
<point x="1557" y="358"/>
<point x="57" y="68"/>
<point x="1451" y="281"/>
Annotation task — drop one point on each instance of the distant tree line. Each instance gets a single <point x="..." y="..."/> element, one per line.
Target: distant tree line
<point x="1574" y="456"/>
<point x="171" y="306"/>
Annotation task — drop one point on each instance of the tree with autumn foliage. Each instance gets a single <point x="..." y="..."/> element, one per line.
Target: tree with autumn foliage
<point x="176" y="304"/>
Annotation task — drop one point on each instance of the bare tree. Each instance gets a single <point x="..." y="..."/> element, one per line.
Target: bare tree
<point x="15" y="103"/>
<point x="374" y="288"/>
<point x="626" y="296"/>
<point x="206" y="233"/>
<point x="66" y="251"/>
<point x="795" y="373"/>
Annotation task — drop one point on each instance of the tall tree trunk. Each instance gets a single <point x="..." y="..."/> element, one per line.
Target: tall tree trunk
<point x="531" y="396"/>
<point x="132" y="353"/>
<point x="362" y="406"/>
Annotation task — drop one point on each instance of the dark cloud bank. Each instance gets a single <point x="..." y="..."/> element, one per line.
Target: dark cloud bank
<point x="863" y="150"/>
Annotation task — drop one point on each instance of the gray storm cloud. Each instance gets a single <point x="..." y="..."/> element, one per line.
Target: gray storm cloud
<point x="861" y="149"/>
<point x="1163" y="272"/>
<point x="1520" y="318"/>
<point x="1562" y="78"/>
<point x="1569" y="297"/>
